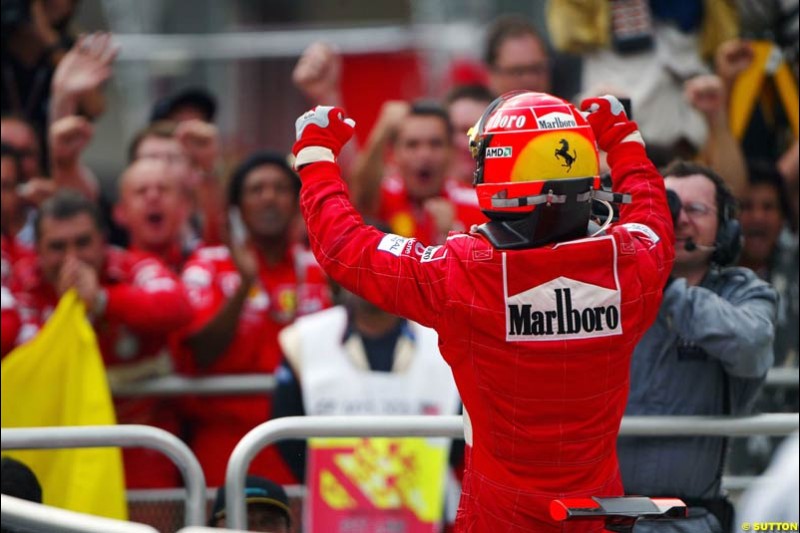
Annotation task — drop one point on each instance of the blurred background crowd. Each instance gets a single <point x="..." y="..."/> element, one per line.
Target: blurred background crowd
<point x="144" y="164"/>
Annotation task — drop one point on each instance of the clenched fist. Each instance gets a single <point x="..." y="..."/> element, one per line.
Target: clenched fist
<point x="321" y="134"/>
<point x="610" y="124"/>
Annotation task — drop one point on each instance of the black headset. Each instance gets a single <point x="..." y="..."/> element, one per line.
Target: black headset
<point x="728" y="242"/>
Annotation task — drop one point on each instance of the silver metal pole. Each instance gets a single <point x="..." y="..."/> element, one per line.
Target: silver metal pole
<point x="782" y="377"/>
<point x="681" y="426"/>
<point x="30" y="516"/>
<point x="233" y="385"/>
<point x="124" y="436"/>
<point x="243" y="384"/>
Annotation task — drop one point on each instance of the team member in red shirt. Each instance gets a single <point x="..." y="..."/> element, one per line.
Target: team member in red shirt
<point x="134" y="303"/>
<point x="416" y="198"/>
<point x="11" y="249"/>
<point x="154" y="208"/>
<point x="243" y="296"/>
<point x="537" y="320"/>
<point x="12" y="204"/>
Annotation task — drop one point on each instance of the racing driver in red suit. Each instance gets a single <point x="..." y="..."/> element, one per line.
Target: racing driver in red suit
<point x="537" y="318"/>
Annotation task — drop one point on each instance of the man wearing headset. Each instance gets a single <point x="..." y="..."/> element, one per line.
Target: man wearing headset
<point x="536" y="321"/>
<point x="707" y="353"/>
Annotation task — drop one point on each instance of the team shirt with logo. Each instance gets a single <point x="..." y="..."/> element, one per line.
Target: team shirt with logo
<point x="293" y="287"/>
<point x="410" y="219"/>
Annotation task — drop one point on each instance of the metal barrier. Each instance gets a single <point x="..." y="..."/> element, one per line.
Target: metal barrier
<point x="35" y="517"/>
<point x="788" y="378"/>
<point x="242" y="384"/>
<point x="776" y="424"/>
<point x="124" y="436"/>
<point x="239" y="384"/>
<point x="452" y="427"/>
<point x="203" y="529"/>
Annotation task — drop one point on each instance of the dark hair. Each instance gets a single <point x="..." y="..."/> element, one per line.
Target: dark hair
<point x="13" y="153"/>
<point x="257" y="490"/>
<point x="479" y="93"/>
<point x="66" y="204"/>
<point x="163" y="129"/>
<point x="430" y="108"/>
<point x="507" y="27"/>
<point x="195" y="97"/>
<point x="724" y="198"/>
<point x="764" y="172"/>
<point x="252" y="162"/>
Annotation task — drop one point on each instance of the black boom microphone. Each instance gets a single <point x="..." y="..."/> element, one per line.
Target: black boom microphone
<point x="691" y="246"/>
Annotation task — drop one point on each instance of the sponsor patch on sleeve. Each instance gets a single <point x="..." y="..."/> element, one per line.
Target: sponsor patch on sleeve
<point x="433" y="253"/>
<point x="641" y="228"/>
<point x="393" y="244"/>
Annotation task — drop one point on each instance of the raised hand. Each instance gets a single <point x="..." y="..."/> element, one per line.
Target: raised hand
<point x="318" y="74"/>
<point x="36" y="190"/>
<point x="321" y="134"/>
<point x="391" y="116"/>
<point x="732" y="58"/>
<point x="79" y="75"/>
<point x="611" y="126"/>
<point x="68" y="138"/>
<point x="707" y="94"/>
<point x="87" y="65"/>
<point x="201" y="142"/>
<point x="83" y="278"/>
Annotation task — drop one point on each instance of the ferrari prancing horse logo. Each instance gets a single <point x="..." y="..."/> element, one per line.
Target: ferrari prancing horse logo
<point x="563" y="153"/>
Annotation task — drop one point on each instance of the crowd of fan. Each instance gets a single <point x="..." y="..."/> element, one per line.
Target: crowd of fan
<point x="177" y="279"/>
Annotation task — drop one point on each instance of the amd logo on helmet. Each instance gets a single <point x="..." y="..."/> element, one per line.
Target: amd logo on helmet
<point x="563" y="309"/>
<point x="498" y="151"/>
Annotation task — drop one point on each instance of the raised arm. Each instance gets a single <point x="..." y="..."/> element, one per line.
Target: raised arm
<point x="79" y="77"/>
<point x="214" y="325"/>
<point x="388" y="270"/>
<point x="647" y="217"/>
<point x="368" y="168"/>
<point x="318" y="74"/>
<point x="69" y="137"/>
<point x="707" y="94"/>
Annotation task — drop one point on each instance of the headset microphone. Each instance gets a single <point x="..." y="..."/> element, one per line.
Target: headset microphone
<point x="691" y="246"/>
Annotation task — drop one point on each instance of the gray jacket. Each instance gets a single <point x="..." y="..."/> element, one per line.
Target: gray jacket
<point x="707" y="354"/>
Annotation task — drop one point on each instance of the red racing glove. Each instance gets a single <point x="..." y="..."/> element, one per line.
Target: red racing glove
<point x="321" y="133"/>
<point x="609" y="122"/>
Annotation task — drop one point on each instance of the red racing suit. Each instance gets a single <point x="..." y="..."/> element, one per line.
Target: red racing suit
<point x="145" y="303"/>
<point x="539" y="339"/>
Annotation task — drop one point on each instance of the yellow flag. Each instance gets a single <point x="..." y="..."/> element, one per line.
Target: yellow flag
<point x="58" y="379"/>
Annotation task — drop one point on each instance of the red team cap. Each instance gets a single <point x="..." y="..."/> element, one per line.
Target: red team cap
<point x="530" y="149"/>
